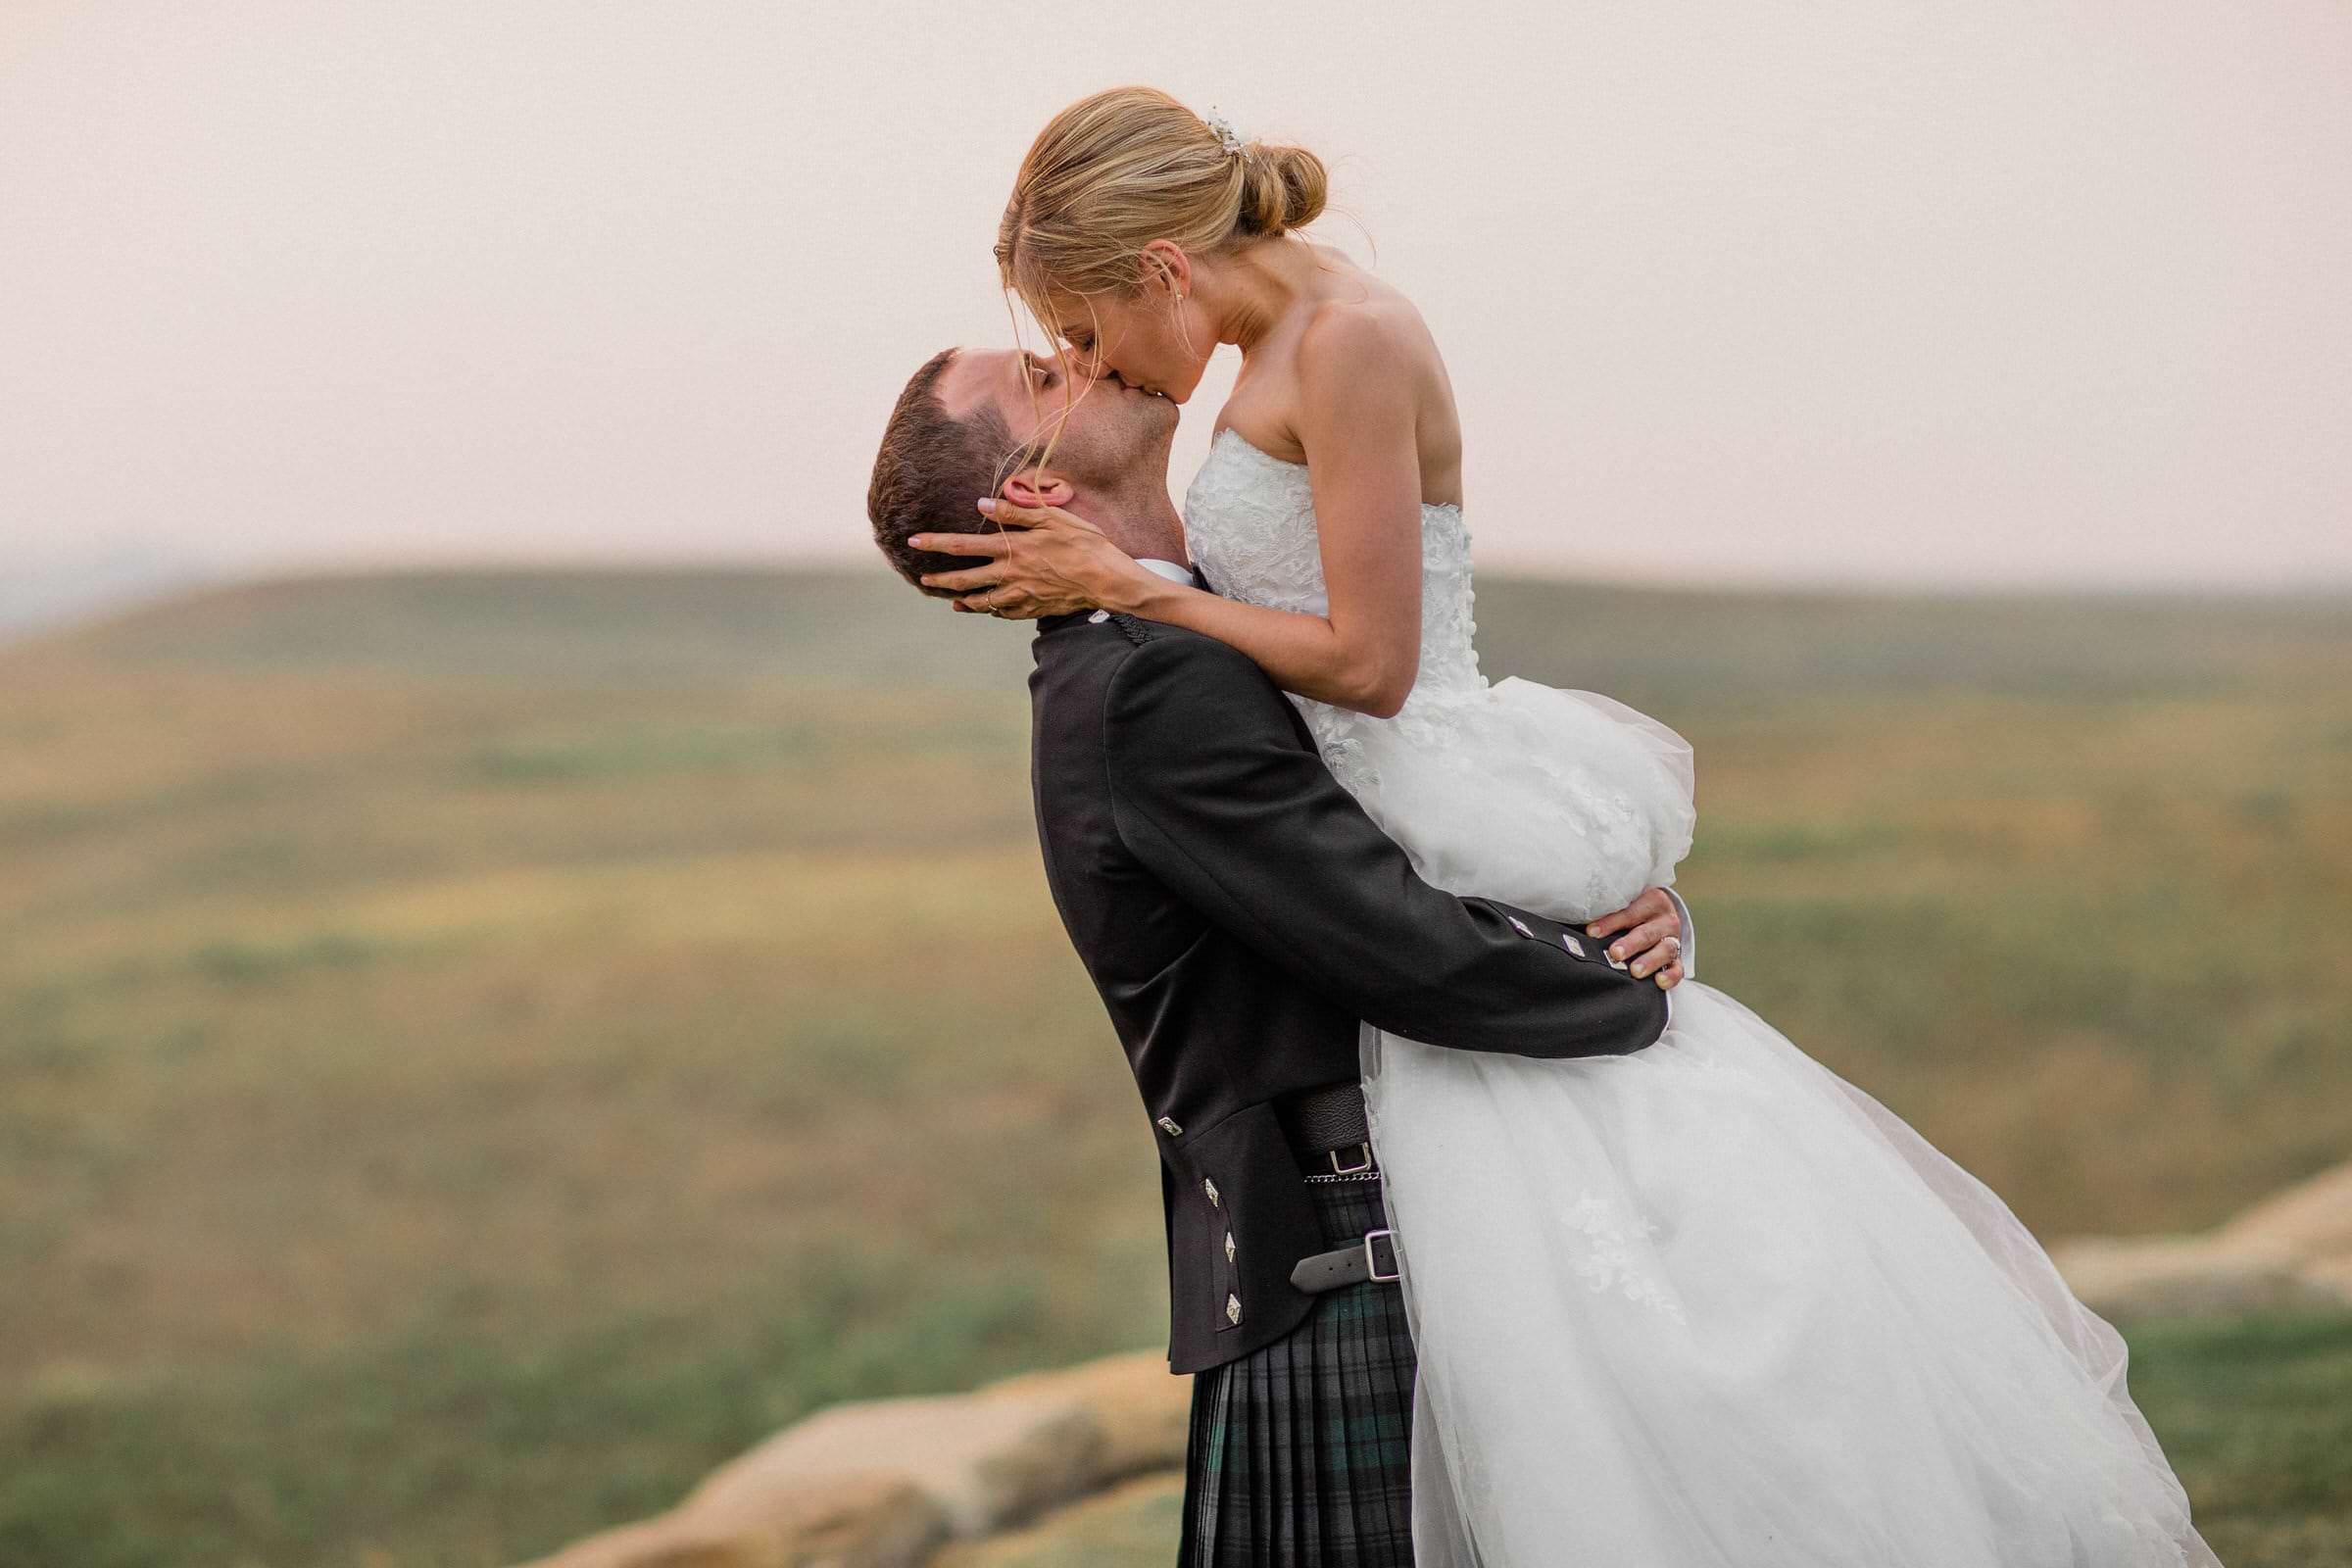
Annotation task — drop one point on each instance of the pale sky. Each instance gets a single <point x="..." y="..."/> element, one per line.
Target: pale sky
<point x="1948" y="292"/>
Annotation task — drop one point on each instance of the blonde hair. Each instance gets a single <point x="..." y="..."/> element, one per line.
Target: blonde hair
<point x="1120" y="168"/>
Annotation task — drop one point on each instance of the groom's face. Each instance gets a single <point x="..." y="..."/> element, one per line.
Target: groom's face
<point x="1102" y="432"/>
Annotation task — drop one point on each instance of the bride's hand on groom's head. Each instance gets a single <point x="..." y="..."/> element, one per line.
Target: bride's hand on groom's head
<point x="1647" y="936"/>
<point x="1042" y="561"/>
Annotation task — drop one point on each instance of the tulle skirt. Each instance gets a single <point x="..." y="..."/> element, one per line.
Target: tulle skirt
<point x="1712" y="1307"/>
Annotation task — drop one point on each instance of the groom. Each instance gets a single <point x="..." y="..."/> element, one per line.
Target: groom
<point x="1243" y="919"/>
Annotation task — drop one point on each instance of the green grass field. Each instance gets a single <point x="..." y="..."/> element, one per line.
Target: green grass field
<point x="478" y="1050"/>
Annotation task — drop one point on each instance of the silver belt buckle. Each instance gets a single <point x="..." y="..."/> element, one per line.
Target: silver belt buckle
<point x="1371" y="1262"/>
<point x="1339" y="1169"/>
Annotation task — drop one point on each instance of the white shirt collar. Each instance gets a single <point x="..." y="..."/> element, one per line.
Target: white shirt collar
<point x="1167" y="568"/>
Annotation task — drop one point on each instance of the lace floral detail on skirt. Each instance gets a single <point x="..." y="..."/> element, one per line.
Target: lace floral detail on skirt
<point x="1607" y="1262"/>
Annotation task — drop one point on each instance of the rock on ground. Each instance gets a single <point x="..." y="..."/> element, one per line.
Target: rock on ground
<point x="2293" y="1249"/>
<point x="883" y="1483"/>
<point x="1133" y="1525"/>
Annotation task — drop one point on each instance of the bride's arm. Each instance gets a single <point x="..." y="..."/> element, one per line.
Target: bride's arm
<point x="1356" y="422"/>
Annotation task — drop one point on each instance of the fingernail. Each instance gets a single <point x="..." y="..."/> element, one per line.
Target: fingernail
<point x="986" y="504"/>
<point x="1617" y="950"/>
<point x="1640" y="969"/>
<point x="1593" y="929"/>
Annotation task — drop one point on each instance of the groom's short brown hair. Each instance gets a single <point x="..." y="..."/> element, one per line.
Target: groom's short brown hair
<point x="931" y="469"/>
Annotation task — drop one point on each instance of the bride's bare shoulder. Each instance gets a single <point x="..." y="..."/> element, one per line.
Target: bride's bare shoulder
<point x="1366" y="364"/>
<point x="1373" y="354"/>
<point x="1355" y="353"/>
<point x="1363" y="320"/>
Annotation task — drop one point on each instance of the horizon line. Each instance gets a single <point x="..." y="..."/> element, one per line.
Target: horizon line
<point x="199" y="575"/>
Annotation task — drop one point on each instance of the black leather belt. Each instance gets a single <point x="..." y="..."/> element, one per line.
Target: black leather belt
<point x="1331" y="1134"/>
<point x="1328" y="1116"/>
<point x="1346" y="1265"/>
<point x="1328" y="1129"/>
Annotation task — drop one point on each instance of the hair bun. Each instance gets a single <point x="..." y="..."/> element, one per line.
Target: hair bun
<point x="1282" y="188"/>
<point x="1122" y="168"/>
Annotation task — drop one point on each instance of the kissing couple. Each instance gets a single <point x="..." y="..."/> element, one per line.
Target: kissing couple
<point x="1494" y="1237"/>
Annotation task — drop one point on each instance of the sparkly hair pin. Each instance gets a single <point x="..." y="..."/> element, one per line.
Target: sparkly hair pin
<point x="1227" y="137"/>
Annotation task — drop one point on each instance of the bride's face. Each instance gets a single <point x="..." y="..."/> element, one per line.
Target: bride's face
<point x="1151" y="339"/>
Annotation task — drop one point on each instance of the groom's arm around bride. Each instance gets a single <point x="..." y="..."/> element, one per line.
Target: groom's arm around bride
<point x="1217" y="790"/>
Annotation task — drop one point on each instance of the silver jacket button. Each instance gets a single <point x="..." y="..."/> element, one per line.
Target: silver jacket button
<point x="1210" y="1188"/>
<point x="1229" y="1246"/>
<point x="1521" y="926"/>
<point x="1167" y="1125"/>
<point x="1574" y="946"/>
<point x="1233" y="1309"/>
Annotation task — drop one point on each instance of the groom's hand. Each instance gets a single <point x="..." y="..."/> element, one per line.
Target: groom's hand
<point x="1652" y="940"/>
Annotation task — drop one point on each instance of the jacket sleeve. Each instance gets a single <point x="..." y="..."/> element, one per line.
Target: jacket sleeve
<point x="1218" y="795"/>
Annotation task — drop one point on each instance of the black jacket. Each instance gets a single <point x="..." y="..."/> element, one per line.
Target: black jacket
<point x="1240" y="914"/>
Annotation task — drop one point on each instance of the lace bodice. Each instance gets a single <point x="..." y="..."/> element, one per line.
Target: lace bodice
<point x="1249" y="521"/>
<point x="1566" y="802"/>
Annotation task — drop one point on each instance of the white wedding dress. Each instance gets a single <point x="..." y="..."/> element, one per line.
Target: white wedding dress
<point x="1707" y="1306"/>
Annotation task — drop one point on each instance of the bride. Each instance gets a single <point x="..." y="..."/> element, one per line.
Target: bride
<point x="1704" y="1305"/>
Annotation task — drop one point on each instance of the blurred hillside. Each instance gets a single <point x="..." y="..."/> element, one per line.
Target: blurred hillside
<point x="479" y="1049"/>
<point x="40" y="590"/>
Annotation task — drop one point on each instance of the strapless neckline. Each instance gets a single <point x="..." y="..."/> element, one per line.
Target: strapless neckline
<point x="1263" y="454"/>
<point x="1249" y="521"/>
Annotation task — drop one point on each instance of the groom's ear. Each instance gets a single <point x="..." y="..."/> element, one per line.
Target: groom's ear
<point x="1039" y="487"/>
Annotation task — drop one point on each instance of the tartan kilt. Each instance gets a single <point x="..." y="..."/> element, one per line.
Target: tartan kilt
<point x="1301" y="1452"/>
